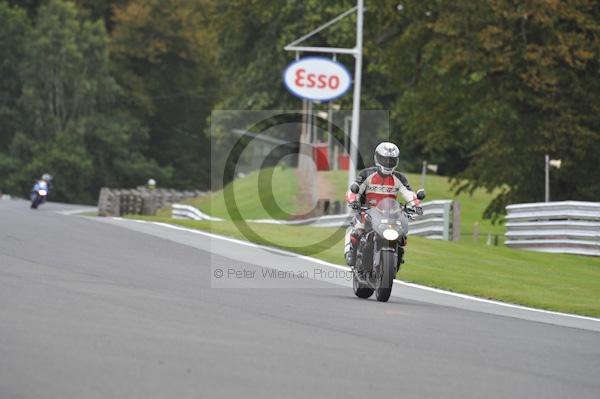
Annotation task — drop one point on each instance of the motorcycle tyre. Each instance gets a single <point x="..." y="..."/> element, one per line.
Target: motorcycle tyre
<point x="383" y="288"/>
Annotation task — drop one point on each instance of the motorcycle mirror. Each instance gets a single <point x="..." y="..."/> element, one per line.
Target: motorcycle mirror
<point x="421" y="194"/>
<point x="354" y="188"/>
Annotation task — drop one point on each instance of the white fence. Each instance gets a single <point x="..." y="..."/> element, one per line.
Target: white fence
<point x="180" y="211"/>
<point x="440" y="220"/>
<point x="566" y="227"/>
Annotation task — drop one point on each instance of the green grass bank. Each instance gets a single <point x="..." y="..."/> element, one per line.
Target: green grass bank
<point x="256" y="204"/>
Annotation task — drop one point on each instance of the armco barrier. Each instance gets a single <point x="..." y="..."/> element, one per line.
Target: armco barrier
<point x="440" y="219"/>
<point x="565" y="227"/>
<point x="180" y="211"/>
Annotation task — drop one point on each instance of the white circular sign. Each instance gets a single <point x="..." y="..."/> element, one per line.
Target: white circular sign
<point x="317" y="78"/>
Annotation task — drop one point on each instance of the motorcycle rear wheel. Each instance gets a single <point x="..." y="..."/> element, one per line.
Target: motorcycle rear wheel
<point x="361" y="290"/>
<point x="385" y="280"/>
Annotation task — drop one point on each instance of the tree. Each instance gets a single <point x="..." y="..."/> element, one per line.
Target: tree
<point x="29" y="6"/>
<point x="101" y="9"/>
<point x="67" y="72"/>
<point x="14" y="27"/>
<point x="499" y="84"/>
<point x="71" y="127"/>
<point x="163" y="56"/>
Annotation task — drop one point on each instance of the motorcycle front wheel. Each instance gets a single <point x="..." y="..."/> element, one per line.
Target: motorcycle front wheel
<point x="385" y="279"/>
<point x="361" y="290"/>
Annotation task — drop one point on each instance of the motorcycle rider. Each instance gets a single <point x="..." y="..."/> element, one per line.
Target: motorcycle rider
<point x="47" y="179"/>
<point x="371" y="186"/>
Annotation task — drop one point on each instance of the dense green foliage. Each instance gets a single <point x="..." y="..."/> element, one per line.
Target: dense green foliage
<point x="502" y="83"/>
<point x="112" y="92"/>
<point x="162" y="57"/>
<point x="91" y="118"/>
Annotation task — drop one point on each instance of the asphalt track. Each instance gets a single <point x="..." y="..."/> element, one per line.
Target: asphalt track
<point x="108" y="308"/>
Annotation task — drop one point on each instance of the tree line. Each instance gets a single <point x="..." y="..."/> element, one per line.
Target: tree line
<point x="112" y="92"/>
<point x="105" y="93"/>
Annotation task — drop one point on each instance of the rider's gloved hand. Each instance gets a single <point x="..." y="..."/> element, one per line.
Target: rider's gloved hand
<point x="355" y="205"/>
<point x="419" y="210"/>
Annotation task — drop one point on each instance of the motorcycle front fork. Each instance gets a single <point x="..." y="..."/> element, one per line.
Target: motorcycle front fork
<point x="400" y="257"/>
<point x="364" y="250"/>
<point x="399" y="254"/>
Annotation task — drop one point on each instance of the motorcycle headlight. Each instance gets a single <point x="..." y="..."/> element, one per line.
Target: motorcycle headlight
<point x="42" y="192"/>
<point x="390" y="234"/>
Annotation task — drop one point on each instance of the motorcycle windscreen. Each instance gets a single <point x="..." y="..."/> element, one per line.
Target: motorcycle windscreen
<point x="389" y="212"/>
<point x="389" y="207"/>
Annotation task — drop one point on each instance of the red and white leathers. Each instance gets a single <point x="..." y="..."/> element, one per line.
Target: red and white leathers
<point x="373" y="187"/>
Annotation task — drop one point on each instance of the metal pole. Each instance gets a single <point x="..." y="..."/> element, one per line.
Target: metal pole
<point x="356" y="96"/>
<point x="423" y="173"/>
<point x="303" y="135"/>
<point x="310" y="123"/>
<point x="329" y="137"/>
<point x="547" y="178"/>
<point x="330" y="142"/>
<point x="319" y="29"/>
<point x="347" y="121"/>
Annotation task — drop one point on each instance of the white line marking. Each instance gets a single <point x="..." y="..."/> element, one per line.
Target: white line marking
<point x="76" y="211"/>
<point x="400" y="282"/>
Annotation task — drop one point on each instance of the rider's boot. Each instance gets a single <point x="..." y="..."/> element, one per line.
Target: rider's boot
<point x="351" y="257"/>
<point x="351" y="244"/>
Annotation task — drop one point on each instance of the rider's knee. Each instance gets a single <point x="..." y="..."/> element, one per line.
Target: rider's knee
<point x="355" y="236"/>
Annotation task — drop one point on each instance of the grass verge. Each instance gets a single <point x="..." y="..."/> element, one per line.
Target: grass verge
<point x="285" y="188"/>
<point x="564" y="283"/>
<point x="252" y="202"/>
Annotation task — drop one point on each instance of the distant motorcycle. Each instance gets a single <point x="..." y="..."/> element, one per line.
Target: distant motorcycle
<point x="39" y="192"/>
<point x="380" y="251"/>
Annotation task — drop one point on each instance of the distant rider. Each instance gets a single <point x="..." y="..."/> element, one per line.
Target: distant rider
<point x="45" y="180"/>
<point x="371" y="186"/>
<point x="48" y="179"/>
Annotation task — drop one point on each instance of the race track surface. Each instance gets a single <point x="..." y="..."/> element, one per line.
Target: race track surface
<point x="108" y="308"/>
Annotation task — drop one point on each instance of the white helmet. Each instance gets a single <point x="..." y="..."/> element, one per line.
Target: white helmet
<point x="386" y="157"/>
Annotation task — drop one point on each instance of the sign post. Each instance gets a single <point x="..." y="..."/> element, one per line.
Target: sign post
<point x="556" y="163"/>
<point x="547" y="179"/>
<point x="356" y="97"/>
<point x="357" y="53"/>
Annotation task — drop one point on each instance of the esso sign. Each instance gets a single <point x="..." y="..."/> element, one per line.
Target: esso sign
<point x="317" y="78"/>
